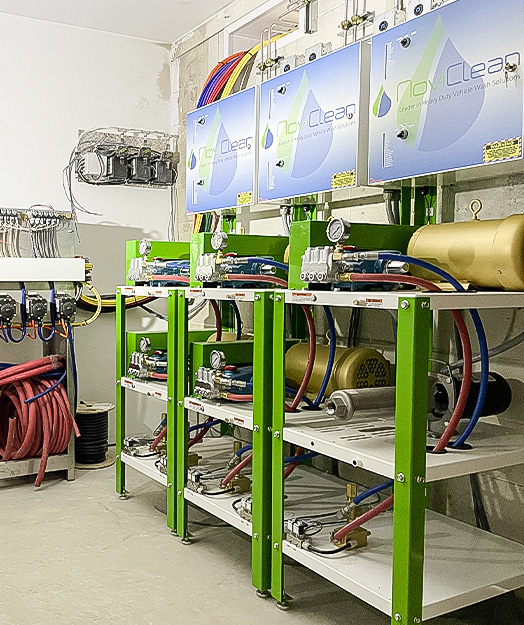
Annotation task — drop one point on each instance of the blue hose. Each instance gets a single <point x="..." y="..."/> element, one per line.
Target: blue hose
<point x="242" y="451"/>
<point x="483" y="344"/>
<point x="268" y="261"/>
<point x="51" y="388"/>
<point x="52" y="312"/>
<point x="372" y="491"/>
<point x="301" y="458"/>
<point x="331" y="360"/>
<point x="238" y="319"/>
<point x="201" y="426"/>
<point x="73" y="363"/>
<point x="209" y="88"/>
<point x="22" y="317"/>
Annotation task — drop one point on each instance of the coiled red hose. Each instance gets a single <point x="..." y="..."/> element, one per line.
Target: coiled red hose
<point x="40" y="428"/>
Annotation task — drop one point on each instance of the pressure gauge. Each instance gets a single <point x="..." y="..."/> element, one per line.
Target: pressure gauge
<point x="144" y="247"/>
<point x="217" y="359"/>
<point x="338" y="230"/>
<point x="145" y="345"/>
<point x="219" y="241"/>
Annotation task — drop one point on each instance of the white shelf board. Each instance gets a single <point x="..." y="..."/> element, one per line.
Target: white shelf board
<point x="389" y="300"/>
<point x="215" y="452"/>
<point x="31" y="466"/>
<point x="370" y="444"/>
<point x="222" y="294"/>
<point x="145" y="291"/>
<point x="240" y="414"/>
<point x="463" y="565"/>
<point x="146" y="466"/>
<point x="158" y="390"/>
<point x="42" y="270"/>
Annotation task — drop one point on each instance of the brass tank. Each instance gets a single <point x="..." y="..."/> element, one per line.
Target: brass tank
<point x="486" y="253"/>
<point x="355" y="367"/>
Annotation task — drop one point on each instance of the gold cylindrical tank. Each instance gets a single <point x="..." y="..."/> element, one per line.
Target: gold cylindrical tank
<point x="488" y="253"/>
<point x="354" y="368"/>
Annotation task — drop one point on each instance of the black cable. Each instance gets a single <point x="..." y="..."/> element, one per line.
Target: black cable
<point x="354" y="325"/>
<point x="481" y="517"/>
<point x="328" y="552"/>
<point x="221" y="492"/>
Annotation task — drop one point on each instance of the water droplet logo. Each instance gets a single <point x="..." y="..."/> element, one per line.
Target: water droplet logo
<point x="382" y="104"/>
<point x="191" y="163"/>
<point x="267" y="138"/>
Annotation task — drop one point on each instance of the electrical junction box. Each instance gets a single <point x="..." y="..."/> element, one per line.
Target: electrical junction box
<point x="309" y="127"/>
<point x="446" y="92"/>
<point x="221" y="149"/>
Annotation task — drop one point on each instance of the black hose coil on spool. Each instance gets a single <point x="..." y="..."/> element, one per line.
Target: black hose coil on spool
<point x="92" y="446"/>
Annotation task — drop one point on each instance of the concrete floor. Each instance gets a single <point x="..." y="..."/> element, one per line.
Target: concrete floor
<point x="74" y="554"/>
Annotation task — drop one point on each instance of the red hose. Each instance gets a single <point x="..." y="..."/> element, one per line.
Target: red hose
<point x="218" y="318"/>
<point x="223" y="80"/>
<point x="464" y="338"/>
<point x="236" y="470"/>
<point x="221" y="64"/>
<point x="38" y="429"/>
<point x="310" y="362"/>
<point x="359" y="522"/>
<point x="157" y="440"/>
<point x="249" y="277"/>
<point x="234" y="397"/>
<point x="200" y="435"/>
<point x="159" y="376"/>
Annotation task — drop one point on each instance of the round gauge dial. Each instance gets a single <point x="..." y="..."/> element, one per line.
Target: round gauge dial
<point x="217" y="359"/>
<point x="145" y="345"/>
<point x="219" y="241"/>
<point x="144" y="247"/>
<point x="338" y="230"/>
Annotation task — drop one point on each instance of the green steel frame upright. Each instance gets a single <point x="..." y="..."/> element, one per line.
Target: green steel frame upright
<point x="413" y="340"/>
<point x="121" y="368"/>
<point x="176" y="431"/>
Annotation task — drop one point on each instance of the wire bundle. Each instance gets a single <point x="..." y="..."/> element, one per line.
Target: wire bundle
<point x="35" y="415"/>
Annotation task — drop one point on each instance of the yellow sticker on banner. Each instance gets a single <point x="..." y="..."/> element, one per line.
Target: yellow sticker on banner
<point x="503" y="150"/>
<point x="245" y="198"/>
<point x="343" y="179"/>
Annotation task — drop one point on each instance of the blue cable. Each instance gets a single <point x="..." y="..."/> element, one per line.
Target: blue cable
<point x="331" y="360"/>
<point x="242" y="451"/>
<point x="238" y="319"/>
<point x="372" y="491"/>
<point x="73" y="363"/>
<point x="301" y="458"/>
<point x="209" y="88"/>
<point x="289" y="391"/>
<point x="268" y="261"/>
<point x="51" y="388"/>
<point x="201" y="426"/>
<point x="22" y="317"/>
<point x="483" y="343"/>
<point x="52" y="312"/>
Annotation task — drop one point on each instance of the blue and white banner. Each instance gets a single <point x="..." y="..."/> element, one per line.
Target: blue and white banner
<point x="221" y="148"/>
<point x="308" y="128"/>
<point x="446" y="90"/>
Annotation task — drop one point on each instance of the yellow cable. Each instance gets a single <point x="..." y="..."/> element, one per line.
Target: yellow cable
<point x="96" y="314"/>
<point x="239" y="68"/>
<point x="198" y="223"/>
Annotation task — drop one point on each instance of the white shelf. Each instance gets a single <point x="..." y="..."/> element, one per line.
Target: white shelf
<point x="145" y="291"/>
<point x="463" y="565"/>
<point x="240" y="414"/>
<point x="370" y="444"/>
<point x="42" y="270"/>
<point x="236" y="295"/>
<point x="158" y="390"/>
<point x="389" y="300"/>
<point x="215" y="452"/>
<point x="146" y="466"/>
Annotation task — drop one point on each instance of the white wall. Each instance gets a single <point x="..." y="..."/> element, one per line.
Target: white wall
<point x="56" y="80"/>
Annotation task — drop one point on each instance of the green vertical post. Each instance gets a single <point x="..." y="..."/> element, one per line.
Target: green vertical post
<point x="414" y="321"/>
<point x="121" y="368"/>
<point x="171" y="411"/>
<point x="277" y="532"/>
<point x="181" y="428"/>
<point x="262" y="421"/>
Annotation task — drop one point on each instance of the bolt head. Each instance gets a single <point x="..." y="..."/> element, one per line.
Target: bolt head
<point x="278" y="298"/>
<point x="256" y="428"/>
<point x="401" y="477"/>
<point x="404" y="304"/>
<point x="420" y="479"/>
<point x="398" y="618"/>
<point x="180" y="403"/>
<point x="425" y="304"/>
<point x="276" y="434"/>
<point x="275" y="545"/>
<point x="416" y="620"/>
<point x="255" y="536"/>
<point x="257" y="297"/>
<point x="180" y="493"/>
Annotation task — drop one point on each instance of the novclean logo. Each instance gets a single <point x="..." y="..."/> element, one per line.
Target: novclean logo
<point x="382" y="104"/>
<point x="192" y="161"/>
<point x="267" y="138"/>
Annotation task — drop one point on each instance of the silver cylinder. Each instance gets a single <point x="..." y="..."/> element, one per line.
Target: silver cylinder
<point x="344" y="404"/>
